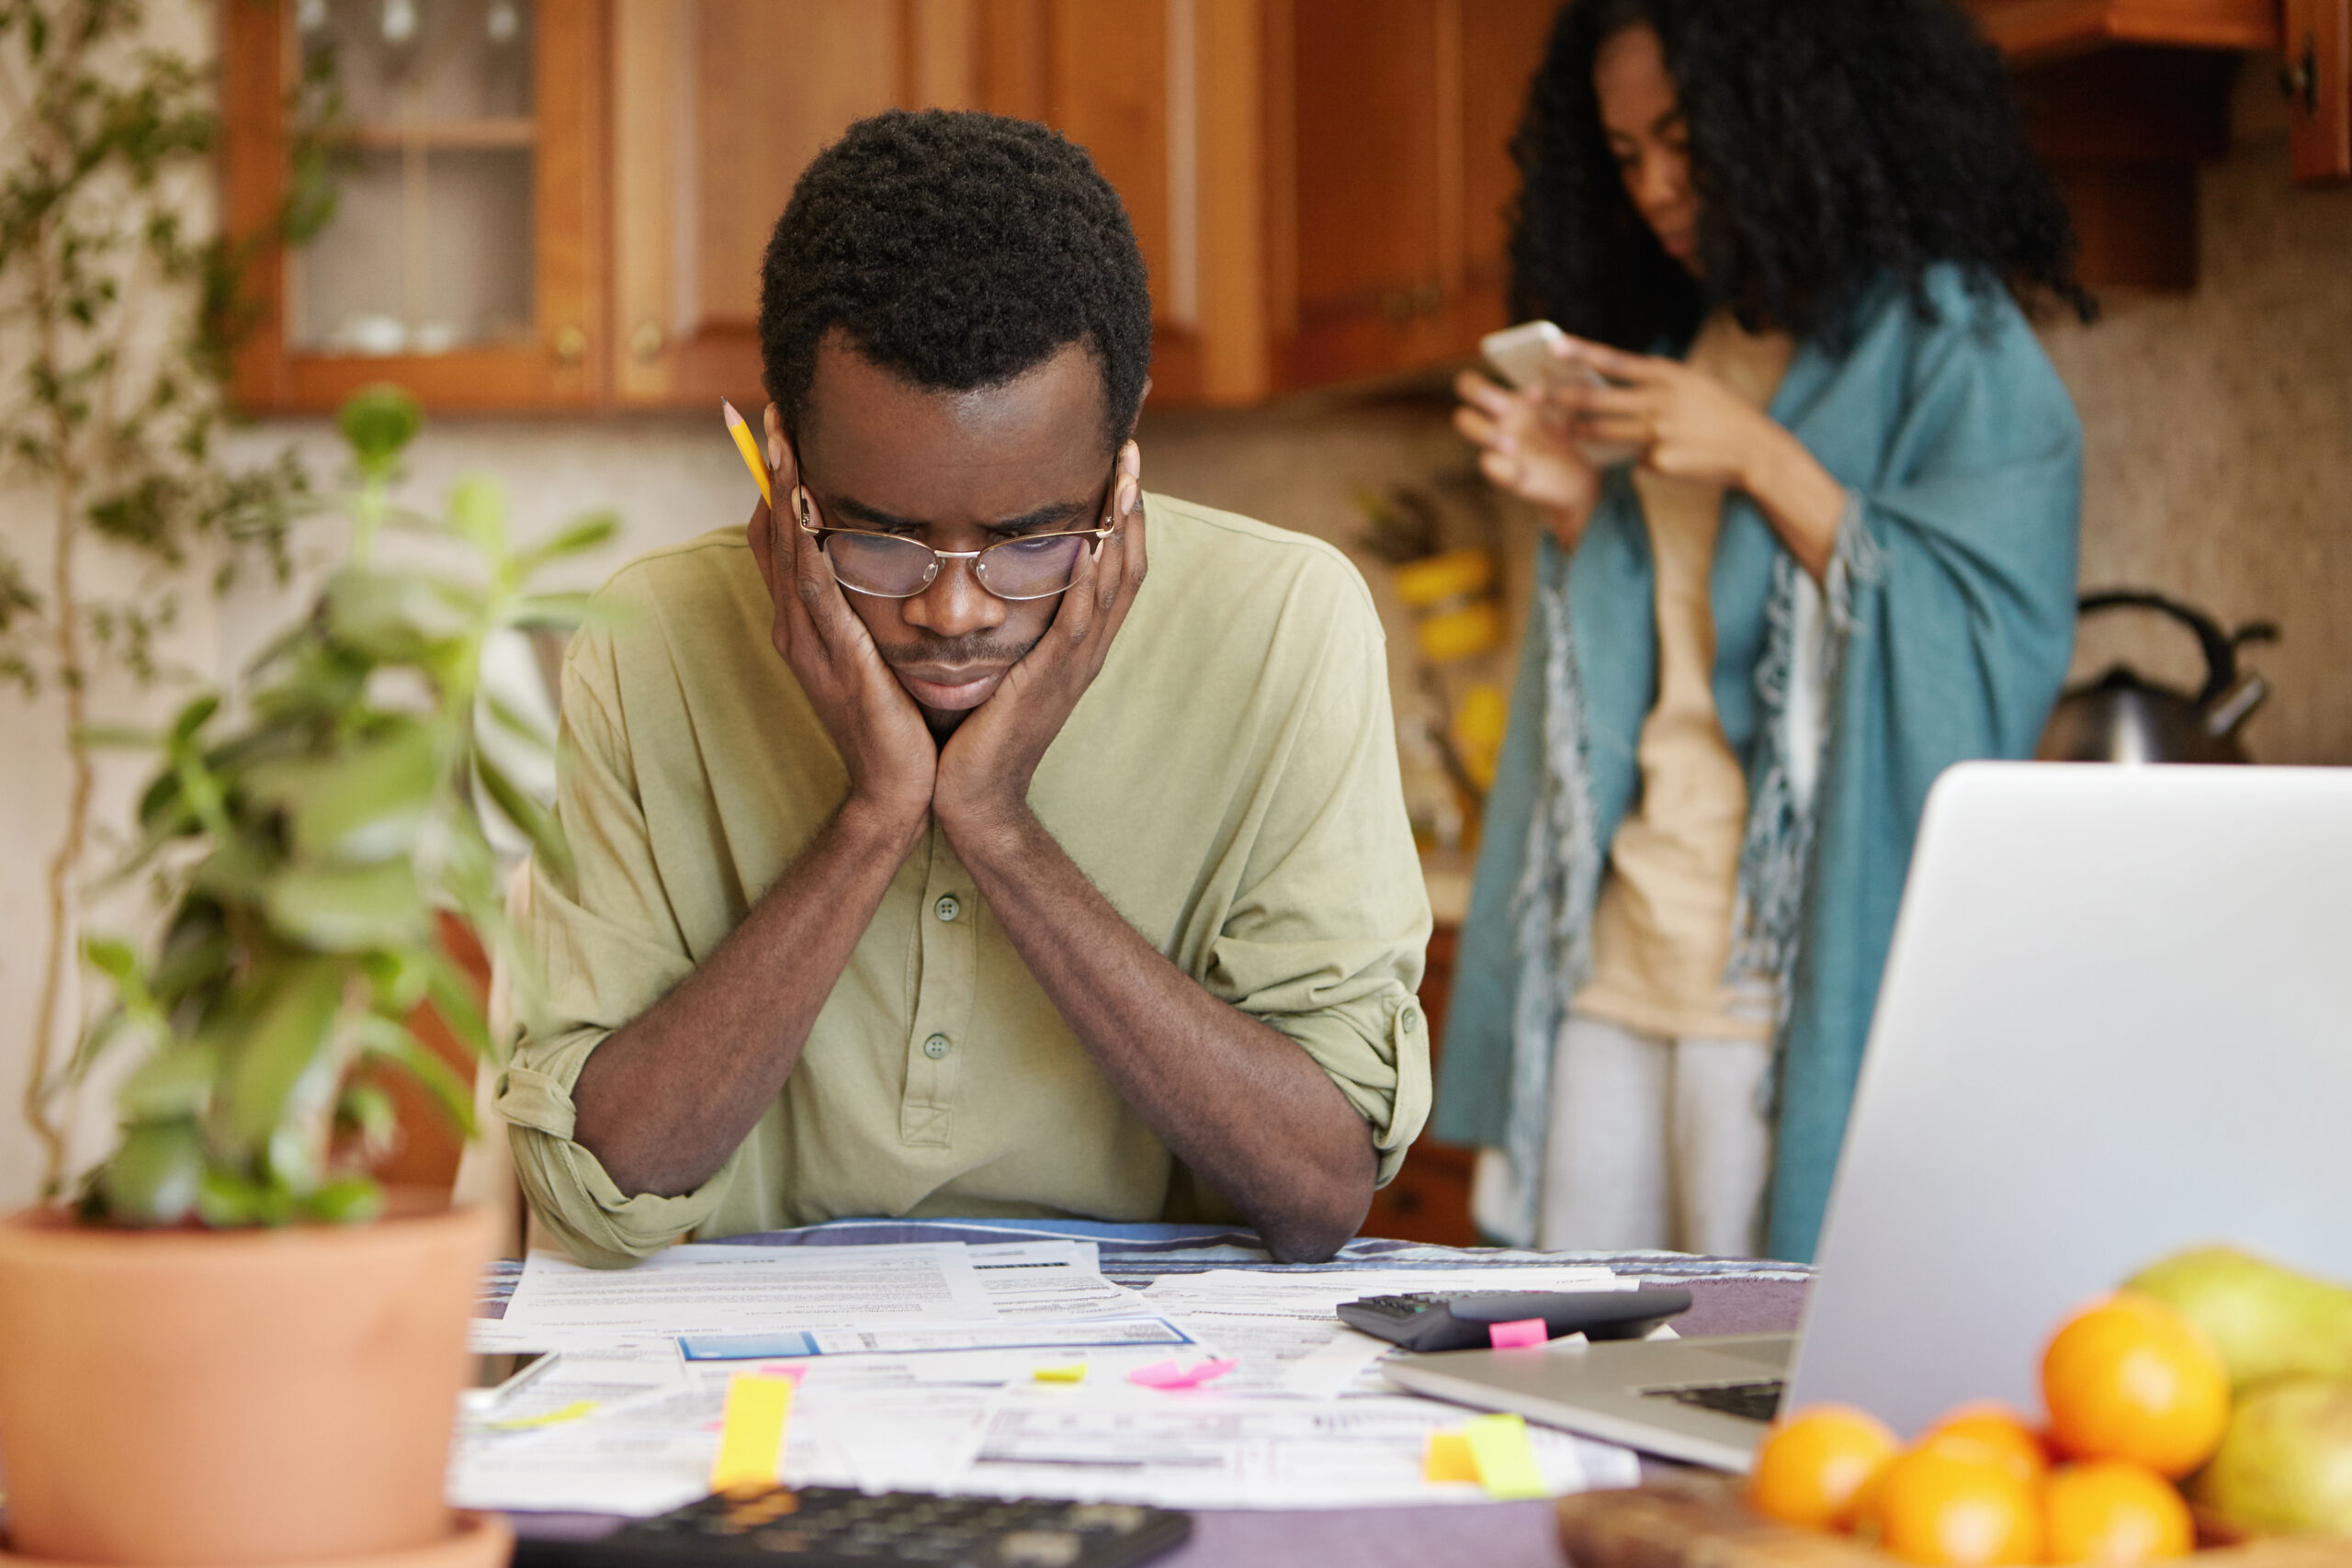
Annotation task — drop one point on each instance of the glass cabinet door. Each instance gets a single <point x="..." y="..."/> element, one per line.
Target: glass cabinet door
<point x="464" y="173"/>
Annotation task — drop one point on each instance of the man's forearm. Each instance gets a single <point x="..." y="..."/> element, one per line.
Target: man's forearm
<point x="662" y="1102"/>
<point x="1238" y="1101"/>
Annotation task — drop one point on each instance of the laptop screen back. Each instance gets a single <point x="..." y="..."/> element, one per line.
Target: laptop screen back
<point x="2116" y="1021"/>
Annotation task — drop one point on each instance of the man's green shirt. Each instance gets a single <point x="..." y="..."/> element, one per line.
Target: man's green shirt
<point x="1229" y="781"/>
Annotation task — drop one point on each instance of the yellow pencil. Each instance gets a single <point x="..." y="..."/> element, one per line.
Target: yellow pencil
<point x="749" y="447"/>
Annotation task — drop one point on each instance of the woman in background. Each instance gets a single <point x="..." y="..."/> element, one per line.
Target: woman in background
<point x="1794" y="238"/>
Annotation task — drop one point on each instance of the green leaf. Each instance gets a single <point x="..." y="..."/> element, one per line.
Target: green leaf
<point x="452" y="990"/>
<point x="377" y="422"/>
<point x="339" y="908"/>
<point x="111" y="956"/>
<point x="273" y="1068"/>
<point x="353" y="1200"/>
<point x="362" y="806"/>
<point x="534" y="820"/>
<point x="574" y="539"/>
<point x="398" y="979"/>
<point x="393" y="1042"/>
<point x="477" y="514"/>
<point x="153" y="1177"/>
<point x="366" y="1111"/>
<point x="394" y="617"/>
<point x="230" y="1202"/>
<point x="551" y="612"/>
<point x="175" y="1083"/>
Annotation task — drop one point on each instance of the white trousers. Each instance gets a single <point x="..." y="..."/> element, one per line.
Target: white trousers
<point x="1652" y="1143"/>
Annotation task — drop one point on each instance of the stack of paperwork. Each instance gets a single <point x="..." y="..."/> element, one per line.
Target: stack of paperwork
<point x="1014" y="1370"/>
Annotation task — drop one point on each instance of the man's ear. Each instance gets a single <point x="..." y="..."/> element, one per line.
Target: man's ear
<point x="779" y="449"/>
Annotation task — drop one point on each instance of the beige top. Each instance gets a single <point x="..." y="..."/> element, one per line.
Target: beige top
<point x="1661" y="936"/>
<point x="1229" y="781"/>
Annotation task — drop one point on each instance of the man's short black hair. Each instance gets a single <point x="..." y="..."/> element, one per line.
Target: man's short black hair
<point x="957" y="249"/>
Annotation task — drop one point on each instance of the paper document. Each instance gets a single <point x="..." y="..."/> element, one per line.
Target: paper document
<point x="1105" y="1332"/>
<point x="1029" y="1280"/>
<point x="735" y="1290"/>
<point x="999" y="1368"/>
<point x="1210" y="1452"/>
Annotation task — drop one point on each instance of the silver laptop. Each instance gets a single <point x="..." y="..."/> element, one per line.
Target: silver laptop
<point x="2116" y="1021"/>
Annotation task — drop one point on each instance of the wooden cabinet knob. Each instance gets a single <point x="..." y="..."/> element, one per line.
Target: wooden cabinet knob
<point x="2298" y="79"/>
<point x="570" y="344"/>
<point x="645" y="343"/>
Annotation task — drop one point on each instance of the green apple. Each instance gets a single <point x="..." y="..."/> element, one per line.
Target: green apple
<point x="2285" y="1464"/>
<point x="2266" y="1321"/>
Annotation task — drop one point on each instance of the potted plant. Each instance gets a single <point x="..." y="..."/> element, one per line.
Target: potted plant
<point x="232" y="1348"/>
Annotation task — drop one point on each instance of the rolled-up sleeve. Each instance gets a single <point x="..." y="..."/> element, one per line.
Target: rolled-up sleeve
<point x="1326" y="934"/>
<point x="608" y="946"/>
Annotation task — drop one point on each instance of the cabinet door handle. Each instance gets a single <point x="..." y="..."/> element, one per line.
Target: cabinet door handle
<point x="2298" y="79"/>
<point x="570" y="344"/>
<point x="645" y="344"/>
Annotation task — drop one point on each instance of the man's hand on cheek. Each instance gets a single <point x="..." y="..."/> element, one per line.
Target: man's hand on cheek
<point x="986" y="766"/>
<point x="876" y="726"/>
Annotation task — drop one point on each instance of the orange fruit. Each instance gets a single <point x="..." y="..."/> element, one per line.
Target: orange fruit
<point x="1815" y="1469"/>
<point x="1955" y="1504"/>
<point x="2116" y="1514"/>
<point x="1994" y="1428"/>
<point x="2130" y="1377"/>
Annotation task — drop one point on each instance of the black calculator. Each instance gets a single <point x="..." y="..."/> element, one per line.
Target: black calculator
<point x="1463" y="1320"/>
<point x="828" y="1526"/>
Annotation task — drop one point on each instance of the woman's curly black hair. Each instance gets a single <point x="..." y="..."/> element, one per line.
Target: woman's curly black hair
<point x="957" y="249"/>
<point x="1834" y="143"/>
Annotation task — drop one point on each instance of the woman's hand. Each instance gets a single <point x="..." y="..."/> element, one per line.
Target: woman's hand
<point x="1689" y="425"/>
<point x="1525" y="447"/>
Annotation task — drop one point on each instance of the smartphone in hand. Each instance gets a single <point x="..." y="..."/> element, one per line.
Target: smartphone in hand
<point x="1528" y="356"/>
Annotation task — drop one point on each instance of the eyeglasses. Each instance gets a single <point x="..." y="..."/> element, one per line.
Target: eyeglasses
<point x="890" y="566"/>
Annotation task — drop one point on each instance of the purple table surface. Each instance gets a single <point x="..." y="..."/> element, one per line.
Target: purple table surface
<point x="1490" y="1535"/>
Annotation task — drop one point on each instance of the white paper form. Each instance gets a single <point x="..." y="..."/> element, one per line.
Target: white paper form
<point x="1156" y="1334"/>
<point x="1205" y="1451"/>
<point x="1285" y="1328"/>
<point x="1052" y="1280"/>
<point x="707" y="1289"/>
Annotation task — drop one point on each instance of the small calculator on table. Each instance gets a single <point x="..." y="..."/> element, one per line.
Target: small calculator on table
<point x="827" y="1526"/>
<point x="1465" y="1320"/>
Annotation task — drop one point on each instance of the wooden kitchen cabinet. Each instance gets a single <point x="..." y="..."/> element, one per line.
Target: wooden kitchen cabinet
<point x="1317" y="186"/>
<point x="2317" y="77"/>
<point x="719" y="105"/>
<point x="466" y="258"/>
<point x="1391" y="129"/>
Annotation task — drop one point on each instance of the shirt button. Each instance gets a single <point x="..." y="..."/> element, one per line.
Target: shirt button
<point x="936" y="1046"/>
<point x="1412" y="1021"/>
<point x="948" y="907"/>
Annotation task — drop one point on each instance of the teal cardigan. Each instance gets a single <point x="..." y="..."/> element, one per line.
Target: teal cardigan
<point x="1951" y="621"/>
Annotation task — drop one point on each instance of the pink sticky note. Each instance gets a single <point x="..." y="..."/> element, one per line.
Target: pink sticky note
<point x="792" y="1371"/>
<point x="1518" y="1335"/>
<point x="1168" y="1375"/>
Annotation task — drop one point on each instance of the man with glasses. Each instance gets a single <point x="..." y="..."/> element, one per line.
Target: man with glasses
<point x="930" y="860"/>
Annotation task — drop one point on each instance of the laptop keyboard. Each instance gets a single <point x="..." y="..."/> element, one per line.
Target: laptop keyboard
<point x="1759" y="1401"/>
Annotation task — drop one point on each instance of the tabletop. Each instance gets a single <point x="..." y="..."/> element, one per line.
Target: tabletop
<point x="1727" y="1296"/>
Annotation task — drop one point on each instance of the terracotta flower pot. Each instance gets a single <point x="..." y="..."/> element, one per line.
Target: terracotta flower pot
<point x="239" y="1398"/>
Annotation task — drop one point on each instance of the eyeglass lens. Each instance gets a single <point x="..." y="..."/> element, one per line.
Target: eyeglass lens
<point x="1012" y="569"/>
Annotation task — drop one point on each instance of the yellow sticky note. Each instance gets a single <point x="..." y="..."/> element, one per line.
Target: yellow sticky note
<point x="1448" y="1459"/>
<point x="1505" y="1461"/>
<point x="751" y="1444"/>
<point x="1073" y="1373"/>
<point x="571" y="1412"/>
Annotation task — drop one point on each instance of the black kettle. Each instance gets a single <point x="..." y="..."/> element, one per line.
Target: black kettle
<point x="2122" y="717"/>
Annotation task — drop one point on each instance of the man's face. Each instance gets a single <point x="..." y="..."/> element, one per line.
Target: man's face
<point x="958" y="471"/>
